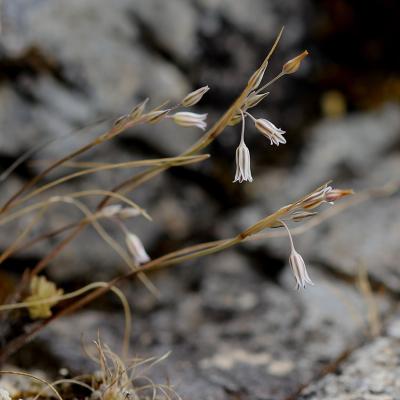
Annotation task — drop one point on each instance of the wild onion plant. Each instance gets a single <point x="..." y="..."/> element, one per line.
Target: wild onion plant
<point x="46" y="302"/>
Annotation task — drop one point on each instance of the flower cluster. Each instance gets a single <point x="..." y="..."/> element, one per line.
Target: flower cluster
<point x="262" y="125"/>
<point x="299" y="212"/>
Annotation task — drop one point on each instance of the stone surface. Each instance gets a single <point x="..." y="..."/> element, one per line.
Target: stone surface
<point x="371" y="373"/>
<point x="236" y="333"/>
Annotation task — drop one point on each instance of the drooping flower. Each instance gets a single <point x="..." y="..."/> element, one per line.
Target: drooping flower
<point x="269" y="130"/>
<point x="136" y="248"/>
<point x="243" y="171"/>
<point x="299" y="270"/>
<point x="243" y="168"/>
<point x="185" y="118"/>
<point x="297" y="264"/>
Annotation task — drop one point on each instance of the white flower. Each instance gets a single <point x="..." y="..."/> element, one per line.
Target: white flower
<point x="299" y="270"/>
<point x="136" y="248"/>
<point x="194" y="97"/>
<point x="297" y="263"/>
<point x="243" y="171"/>
<point x="185" y="118"/>
<point x="269" y="130"/>
<point x="110" y="211"/>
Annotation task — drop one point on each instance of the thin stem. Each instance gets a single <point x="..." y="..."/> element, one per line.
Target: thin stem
<point x="35" y="378"/>
<point x="243" y="123"/>
<point x="270" y="82"/>
<point x="288" y="231"/>
<point x="132" y="164"/>
<point x="248" y="114"/>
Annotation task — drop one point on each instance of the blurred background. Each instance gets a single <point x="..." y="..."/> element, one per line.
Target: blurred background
<point x="236" y="327"/>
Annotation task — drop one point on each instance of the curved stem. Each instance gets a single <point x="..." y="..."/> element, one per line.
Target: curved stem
<point x="243" y="126"/>
<point x="288" y="231"/>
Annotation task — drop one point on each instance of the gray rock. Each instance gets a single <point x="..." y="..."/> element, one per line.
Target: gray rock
<point x="370" y="373"/>
<point x="100" y="57"/>
<point x="237" y="333"/>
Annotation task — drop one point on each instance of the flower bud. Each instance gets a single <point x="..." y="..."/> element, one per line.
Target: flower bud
<point x="257" y="77"/>
<point x="110" y="211"/>
<point x="156" y="116"/>
<point x="235" y="120"/>
<point x="336" y="194"/>
<point x="254" y="99"/>
<point x="294" y="64"/>
<point x="136" y="248"/>
<point x="298" y="216"/>
<point x="185" y="118"/>
<point x="137" y="111"/>
<point x="194" y="97"/>
<point x="316" y="198"/>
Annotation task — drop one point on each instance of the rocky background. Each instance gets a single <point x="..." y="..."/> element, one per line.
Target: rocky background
<point x="236" y="327"/>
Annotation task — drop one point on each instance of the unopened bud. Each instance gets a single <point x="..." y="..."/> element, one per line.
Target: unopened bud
<point x="299" y="216"/>
<point x="257" y="77"/>
<point x="156" y="116"/>
<point x="235" y="120"/>
<point x="294" y="64"/>
<point x="136" y="248"/>
<point x="194" y="97"/>
<point x="119" y="122"/>
<point x="137" y="111"/>
<point x="254" y="99"/>
<point x="336" y="194"/>
<point x="110" y="211"/>
<point x="186" y="119"/>
<point x="315" y="198"/>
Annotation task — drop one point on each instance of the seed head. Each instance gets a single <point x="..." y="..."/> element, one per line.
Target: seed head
<point x="294" y="64"/>
<point x="194" y="97"/>
<point x="136" y="248"/>
<point x="269" y="130"/>
<point x="185" y="118"/>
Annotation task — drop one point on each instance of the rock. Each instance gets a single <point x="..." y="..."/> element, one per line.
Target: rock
<point x="93" y="83"/>
<point x="370" y="373"/>
<point x="236" y="333"/>
<point x="175" y="32"/>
